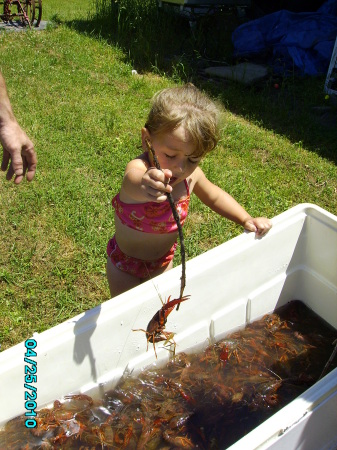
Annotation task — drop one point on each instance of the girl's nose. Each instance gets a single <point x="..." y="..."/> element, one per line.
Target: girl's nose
<point x="181" y="165"/>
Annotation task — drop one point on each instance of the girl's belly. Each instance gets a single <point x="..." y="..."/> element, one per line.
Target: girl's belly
<point x="141" y="245"/>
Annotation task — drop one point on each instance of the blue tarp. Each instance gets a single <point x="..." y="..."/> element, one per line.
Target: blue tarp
<point x="300" y="42"/>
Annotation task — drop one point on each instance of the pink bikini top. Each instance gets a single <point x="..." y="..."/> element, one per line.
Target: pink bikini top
<point x="152" y="217"/>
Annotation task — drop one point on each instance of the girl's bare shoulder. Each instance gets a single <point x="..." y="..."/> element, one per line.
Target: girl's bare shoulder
<point x="195" y="178"/>
<point x="140" y="162"/>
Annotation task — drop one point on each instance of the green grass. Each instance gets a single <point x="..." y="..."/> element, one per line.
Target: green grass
<point x="72" y="90"/>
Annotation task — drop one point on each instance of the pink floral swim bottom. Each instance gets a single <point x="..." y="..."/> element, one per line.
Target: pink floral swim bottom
<point x="134" y="266"/>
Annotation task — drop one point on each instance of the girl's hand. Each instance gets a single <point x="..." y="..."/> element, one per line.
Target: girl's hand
<point x="155" y="185"/>
<point x="259" y="225"/>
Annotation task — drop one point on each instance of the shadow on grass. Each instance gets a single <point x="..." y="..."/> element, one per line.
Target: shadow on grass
<point x="293" y="107"/>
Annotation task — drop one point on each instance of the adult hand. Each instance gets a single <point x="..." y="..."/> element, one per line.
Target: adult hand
<point x="19" y="157"/>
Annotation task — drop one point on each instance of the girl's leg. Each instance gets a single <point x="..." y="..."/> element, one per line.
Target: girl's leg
<point x="118" y="280"/>
<point x="161" y="270"/>
<point x="158" y="272"/>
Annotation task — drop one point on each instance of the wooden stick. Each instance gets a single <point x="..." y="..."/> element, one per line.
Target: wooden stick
<point x="177" y="219"/>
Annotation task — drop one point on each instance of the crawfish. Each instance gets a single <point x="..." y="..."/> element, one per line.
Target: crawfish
<point x="179" y="441"/>
<point x="155" y="331"/>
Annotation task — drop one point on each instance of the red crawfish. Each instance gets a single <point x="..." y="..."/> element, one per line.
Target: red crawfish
<point x="155" y="331"/>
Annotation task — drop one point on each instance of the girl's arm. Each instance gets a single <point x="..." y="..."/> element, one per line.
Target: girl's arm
<point x="144" y="184"/>
<point x="225" y="205"/>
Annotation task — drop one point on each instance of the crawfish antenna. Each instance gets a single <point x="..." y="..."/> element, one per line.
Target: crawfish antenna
<point x="177" y="219"/>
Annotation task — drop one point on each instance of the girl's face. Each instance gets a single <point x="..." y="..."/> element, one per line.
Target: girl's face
<point x="174" y="151"/>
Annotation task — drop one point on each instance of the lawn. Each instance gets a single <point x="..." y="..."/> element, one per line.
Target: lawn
<point x="73" y="91"/>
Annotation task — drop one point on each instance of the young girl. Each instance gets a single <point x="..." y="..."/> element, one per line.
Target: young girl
<point x="182" y="128"/>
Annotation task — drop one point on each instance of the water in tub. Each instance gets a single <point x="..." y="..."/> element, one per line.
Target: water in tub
<point x="205" y="400"/>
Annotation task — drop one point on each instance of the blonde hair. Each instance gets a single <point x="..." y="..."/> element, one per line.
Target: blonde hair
<point x="189" y="107"/>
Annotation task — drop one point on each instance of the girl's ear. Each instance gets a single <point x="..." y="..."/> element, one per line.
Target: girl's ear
<point x="145" y="136"/>
<point x="146" y="142"/>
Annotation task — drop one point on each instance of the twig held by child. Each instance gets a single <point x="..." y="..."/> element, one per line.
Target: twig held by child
<point x="177" y="219"/>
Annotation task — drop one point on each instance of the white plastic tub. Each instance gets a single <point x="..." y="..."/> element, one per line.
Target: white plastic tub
<point x="231" y="285"/>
